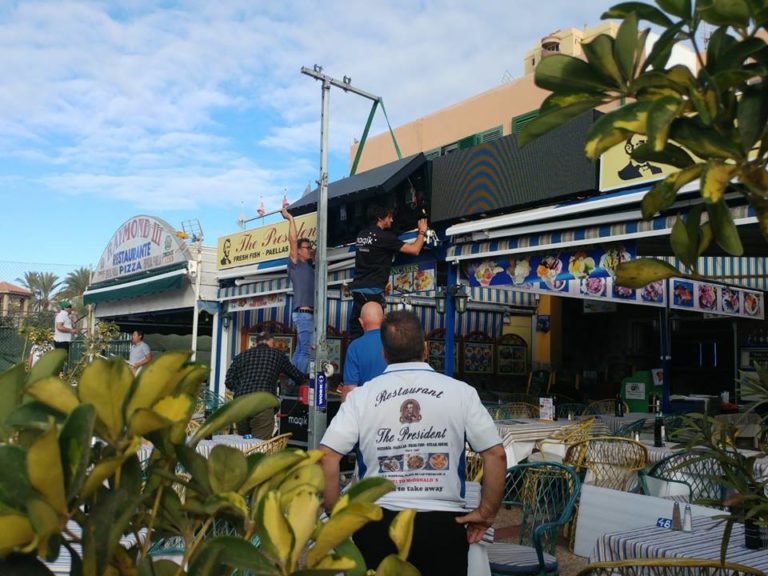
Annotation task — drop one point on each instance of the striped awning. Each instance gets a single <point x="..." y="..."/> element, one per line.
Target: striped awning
<point x="275" y="286"/>
<point x="579" y="236"/>
<point x="746" y="271"/>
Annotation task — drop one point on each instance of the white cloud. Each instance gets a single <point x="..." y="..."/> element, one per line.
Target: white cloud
<point x="193" y="104"/>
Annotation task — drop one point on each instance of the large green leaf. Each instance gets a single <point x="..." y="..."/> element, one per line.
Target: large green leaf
<point x="715" y="179"/>
<point x="660" y="115"/>
<point x="196" y="465"/>
<point x="366" y="490"/>
<point x="15" y="532"/>
<point x="738" y="53"/>
<point x="226" y="468"/>
<point x="663" y="193"/>
<point x="724" y="229"/>
<point x="270" y="466"/>
<point x="47" y="524"/>
<point x="569" y="74"/>
<point x="106" y="384"/>
<point x="33" y="414"/>
<point x="600" y="54"/>
<point x="394" y="566"/>
<point x="75" y="446"/>
<point x="626" y="47"/>
<point x="695" y="232"/>
<point x="273" y="528"/>
<point x="706" y="104"/>
<point x="662" y="49"/>
<point x="302" y="516"/>
<point x="615" y="126"/>
<point x="681" y="244"/>
<point x="724" y="12"/>
<point x="232" y="552"/>
<point x="11" y="384"/>
<point x="401" y="532"/>
<point x="105" y="523"/>
<point x="555" y="116"/>
<point x="340" y="527"/>
<point x="45" y="471"/>
<point x="643" y="271"/>
<point x="643" y="11"/>
<point x="54" y="393"/>
<point x="234" y="411"/>
<point x="752" y="114"/>
<point x="157" y="380"/>
<point x="679" y="8"/>
<point x="15" y="488"/>
<point x="49" y="365"/>
<point x="702" y="141"/>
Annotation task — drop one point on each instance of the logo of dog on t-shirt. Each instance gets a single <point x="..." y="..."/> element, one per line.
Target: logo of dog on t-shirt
<point x="410" y="412"/>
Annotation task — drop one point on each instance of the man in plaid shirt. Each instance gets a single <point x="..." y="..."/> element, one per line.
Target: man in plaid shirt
<point x="257" y="370"/>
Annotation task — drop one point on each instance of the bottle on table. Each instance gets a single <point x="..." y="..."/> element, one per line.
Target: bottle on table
<point x="658" y="427"/>
<point x="687" y="519"/>
<point x="554" y="406"/>
<point x="677" y="524"/>
<point x="652" y="402"/>
<point x="619" y="406"/>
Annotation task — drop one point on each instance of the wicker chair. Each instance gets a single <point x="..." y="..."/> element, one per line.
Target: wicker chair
<point x="473" y="466"/>
<point x="271" y="446"/>
<point x="607" y="462"/>
<point x="553" y="448"/>
<point x="545" y="492"/>
<point x="575" y="408"/>
<point x="667" y="567"/>
<point x="693" y="476"/>
<point x="606" y="406"/>
<point x="628" y="430"/>
<point x="516" y="410"/>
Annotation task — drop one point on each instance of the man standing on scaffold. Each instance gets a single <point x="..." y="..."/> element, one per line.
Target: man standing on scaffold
<point x="301" y="273"/>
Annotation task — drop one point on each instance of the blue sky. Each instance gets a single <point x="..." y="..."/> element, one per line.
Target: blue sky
<point x="186" y="110"/>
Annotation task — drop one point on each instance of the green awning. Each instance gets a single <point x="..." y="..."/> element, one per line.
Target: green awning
<point x="173" y="280"/>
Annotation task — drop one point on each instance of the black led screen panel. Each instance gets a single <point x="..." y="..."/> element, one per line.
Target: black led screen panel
<point x="499" y="175"/>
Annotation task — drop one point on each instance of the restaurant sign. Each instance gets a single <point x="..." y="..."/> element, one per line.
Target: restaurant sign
<point x="718" y="299"/>
<point x="142" y="243"/>
<point x="256" y="302"/>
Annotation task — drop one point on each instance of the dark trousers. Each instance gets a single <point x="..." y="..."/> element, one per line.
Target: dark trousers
<point x="439" y="545"/>
<point x="64" y="345"/>
<point x="358" y="301"/>
<point x="260" y="425"/>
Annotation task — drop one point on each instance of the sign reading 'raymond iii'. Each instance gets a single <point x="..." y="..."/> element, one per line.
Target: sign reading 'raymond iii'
<point x="140" y="244"/>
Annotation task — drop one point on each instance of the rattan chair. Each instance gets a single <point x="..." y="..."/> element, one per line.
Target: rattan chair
<point x="694" y="470"/>
<point x="553" y="448"/>
<point x="473" y="466"/>
<point x="516" y="410"/>
<point x="668" y="567"/>
<point x="608" y="461"/>
<point x="606" y="406"/>
<point x="545" y="492"/>
<point x="272" y="445"/>
<point x="575" y="408"/>
<point x="628" y="430"/>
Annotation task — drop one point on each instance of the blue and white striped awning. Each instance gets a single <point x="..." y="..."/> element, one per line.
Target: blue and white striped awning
<point x="746" y="271"/>
<point x="579" y="236"/>
<point x="275" y="286"/>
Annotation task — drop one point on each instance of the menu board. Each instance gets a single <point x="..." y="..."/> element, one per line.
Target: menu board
<point x="282" y="343"/>
<point x="436" y="355"/>
<point x="478" y="357"/>
<point x="546" y="409"/>
<point x="511" y="359"/>
<point x="720" y="299"/>
<point x="418" y="277"/>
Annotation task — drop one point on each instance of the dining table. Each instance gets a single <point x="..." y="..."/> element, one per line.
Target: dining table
<point x="703" y="542"/>
<point x="613" y="422"/>
<point x="204" y="447"/>
<point x="519" y="435"/>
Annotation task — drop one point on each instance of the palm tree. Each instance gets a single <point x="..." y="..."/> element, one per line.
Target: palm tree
<point x="42" y="285"/>
<point x="76" y="283"/>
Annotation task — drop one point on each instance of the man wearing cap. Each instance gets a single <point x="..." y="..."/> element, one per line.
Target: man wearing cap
<point x="257" y="370"/>
<point x="301" y="273"/>
<point x="64" y="328"/>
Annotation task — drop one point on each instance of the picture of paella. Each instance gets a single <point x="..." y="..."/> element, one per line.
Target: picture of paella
<point x="403" y="282"/>
<point x="415" y="461"/>
<point x="438" y="461"/>
<point x="424" y="280"/>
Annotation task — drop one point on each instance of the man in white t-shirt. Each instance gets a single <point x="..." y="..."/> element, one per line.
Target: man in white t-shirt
<point x="140" y="353"/>
<point x="411" y="424"/>
<point x="64" y="328"/>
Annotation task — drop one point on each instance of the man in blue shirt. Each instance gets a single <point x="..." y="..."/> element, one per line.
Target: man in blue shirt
<point x="365" y="357"/>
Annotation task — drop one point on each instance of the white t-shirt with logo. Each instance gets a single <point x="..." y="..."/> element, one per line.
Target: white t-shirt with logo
<point x="63" y="318"/>
<point x="411" y="423"/>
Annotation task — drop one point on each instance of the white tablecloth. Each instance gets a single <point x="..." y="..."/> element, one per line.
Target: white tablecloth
<point x="520" y="435"/>
<point x="204" y="447"/>
<point x="654" y="542"/>
<point x="613" y="423"/>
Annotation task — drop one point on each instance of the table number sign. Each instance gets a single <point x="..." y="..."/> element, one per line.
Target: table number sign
<point x="664" y="523"/>
<point x="546" y="409"/>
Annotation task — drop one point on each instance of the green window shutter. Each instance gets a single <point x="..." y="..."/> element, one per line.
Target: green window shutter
<point x="432" y="154"/>
<point x="469" y="141"/>
<point x="519" y="121"/>
<point x="491" y="135"/>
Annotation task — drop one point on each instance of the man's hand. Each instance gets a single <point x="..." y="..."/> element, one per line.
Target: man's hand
<point x="422" y="225"/>
<point x="477" y="523"/>
<point x="287" y="215"/>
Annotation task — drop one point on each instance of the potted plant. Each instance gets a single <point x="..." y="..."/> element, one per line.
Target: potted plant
<point x="71" y="478"/>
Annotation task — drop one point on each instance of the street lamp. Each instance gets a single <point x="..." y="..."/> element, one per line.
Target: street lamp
<point x="459" y="295"/>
